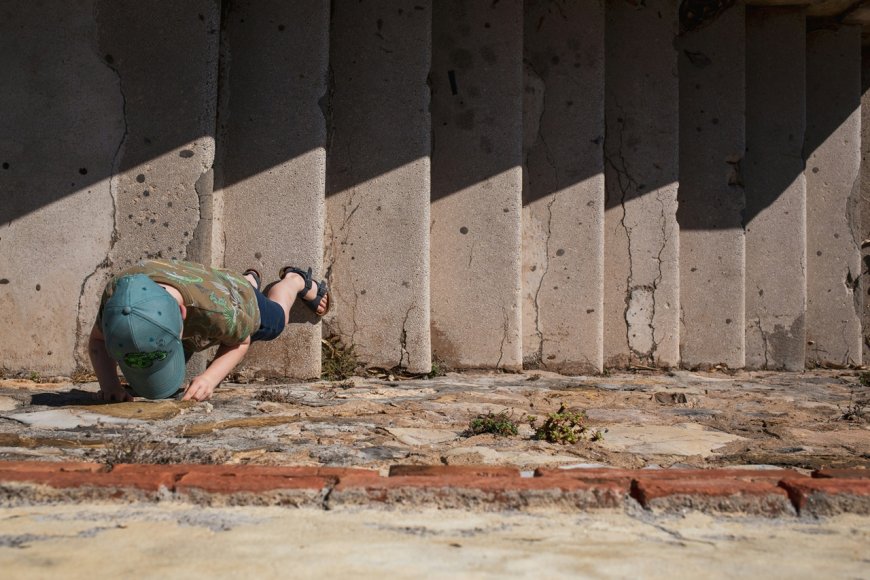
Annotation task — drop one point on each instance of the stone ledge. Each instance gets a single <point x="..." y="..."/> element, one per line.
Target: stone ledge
<point x="826" y="497"/>
<point x="842" y="473"/>
<point x="776" y="492"/>
<point x="763" y="498"/>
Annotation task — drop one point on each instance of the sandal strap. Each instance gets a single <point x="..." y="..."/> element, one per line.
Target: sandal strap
<point x="305" y="274"/>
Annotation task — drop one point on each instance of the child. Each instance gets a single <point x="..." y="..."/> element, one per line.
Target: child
<point x="154" y="316"/>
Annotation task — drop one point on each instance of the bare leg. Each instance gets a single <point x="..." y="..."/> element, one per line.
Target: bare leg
<point x="284" y="293"/>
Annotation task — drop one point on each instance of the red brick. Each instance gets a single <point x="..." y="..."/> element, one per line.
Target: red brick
<point x="453" y="471"/>
<point x="854" y="473"/>
<point x="671" y="474"/>
<point x="243" y="481"/>
<point x="75" y="479"/>
<point x="48" y="467"/>
<point x="255" y="470"/>
<point x="829" y="496"/>
<point x="474" y="492"/>
<point x="717" y="495"/>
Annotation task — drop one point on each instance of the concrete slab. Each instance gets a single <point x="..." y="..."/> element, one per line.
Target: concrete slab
<point x="272" y="170"/>
<point x="59" y="144"/>
<point x="711" y="197"/>
<point x="377" y="238"/>
<point x="477" y="76"/>
<point x="641" y="265"/>
<point x="681" y="439"/>
<point x="68" y="419"/>
<point x="833" y="161"/>
<point x="776" y="273"/>
<point x="563" y="186"/>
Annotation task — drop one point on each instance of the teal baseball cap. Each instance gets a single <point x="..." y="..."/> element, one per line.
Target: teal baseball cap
<point x="141" y="324"/>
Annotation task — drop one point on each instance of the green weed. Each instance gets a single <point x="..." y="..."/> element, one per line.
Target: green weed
<point x="338" y="362"/>
<point x="496" y="423"/>
<point x="564" y="427"/>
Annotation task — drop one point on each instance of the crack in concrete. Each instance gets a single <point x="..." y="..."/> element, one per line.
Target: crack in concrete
<point x="545" y="268"/>
<point x="505" y="328"/>
<point x="116" y="164"/>
<point x="403" y="340"/>
<point x="627" y="183"/>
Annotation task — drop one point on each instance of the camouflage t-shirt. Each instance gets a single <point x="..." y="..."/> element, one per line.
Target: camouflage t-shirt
<point x="221" y="305"/>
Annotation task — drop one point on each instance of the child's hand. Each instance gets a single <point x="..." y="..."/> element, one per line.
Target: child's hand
<point x="199" y="389"/>
<point x="114" y="396"/>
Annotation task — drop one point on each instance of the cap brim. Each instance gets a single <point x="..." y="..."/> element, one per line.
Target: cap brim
<point x="160" y="380"/>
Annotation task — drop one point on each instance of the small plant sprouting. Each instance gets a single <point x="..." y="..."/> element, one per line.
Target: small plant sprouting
<point x="339" y="362"/>
<point x="496" y="423"/>
<point x="34" y="376"/>
<point x="864" y="378"/>
<point x="564" y="427"/>
<point x="439" y="369"/>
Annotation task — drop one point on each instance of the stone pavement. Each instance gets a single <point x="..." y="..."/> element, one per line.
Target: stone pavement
<point x="811" y="420"/>
<point x="713" y="474"/>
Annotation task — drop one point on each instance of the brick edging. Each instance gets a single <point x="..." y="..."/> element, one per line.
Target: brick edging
<point x="776" y="492"/>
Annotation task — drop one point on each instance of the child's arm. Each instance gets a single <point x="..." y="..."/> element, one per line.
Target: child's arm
<point x="225" y="360"/>
<point x="106" y="369"/>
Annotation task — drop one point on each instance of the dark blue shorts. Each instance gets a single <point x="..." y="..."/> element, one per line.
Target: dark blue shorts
<point x="271" y="318"/>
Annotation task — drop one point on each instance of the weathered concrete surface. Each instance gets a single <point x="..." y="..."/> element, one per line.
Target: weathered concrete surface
<point x="864" y="199"/>
<point x="275" y="57"/>
<point x="806" y="421"/>
<point x="62" y="117"/>
<point x="711" y="198"/>
<point x="267" y="542"/>
<point x="377" y="239"/>
<point x="127" y="120"/>
<point x="641" y="264"/>
<point x="776" y="271"/>
<point x="477" y="88"/>
<point x="563" y="187"/>
<point x="833" y="161"/>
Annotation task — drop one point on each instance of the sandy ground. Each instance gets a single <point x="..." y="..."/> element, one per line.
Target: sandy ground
<point x="801" y="420"/>
<point x="176" y="541"/>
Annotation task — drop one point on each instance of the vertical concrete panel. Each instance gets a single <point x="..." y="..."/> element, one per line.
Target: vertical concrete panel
<point x="377" y="239"/>
<point x="833" y="149"/>
<point x="563" y="187"/>
<point x="864" y="202"/>
<point x="60" y="132"/>
<point x="166" y="59"/>
<point x="775" y="188"/>
<point x="641" y="262"/>
<point x="711" y="198"/>
<point x="165" y="56"/>
<point x="477" y="76"/>
<point x="272" y="163"/>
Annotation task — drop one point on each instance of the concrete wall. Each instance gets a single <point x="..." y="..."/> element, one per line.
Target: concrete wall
<point x="104" y="151"/>
<point x="641" y="283"/>
<point x="476" y="78"/>
<point x="775" y="188"/>
<point x="273" y="161"/>
<point x="563" y="186"/>
<point x="543" y="228"/>
<point x="378" y="181"/>
<point x="833" y="163"/>
<point x="711" y="198"/>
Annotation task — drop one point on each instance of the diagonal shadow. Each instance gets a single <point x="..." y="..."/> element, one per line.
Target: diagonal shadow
<point x="82" y="78"/>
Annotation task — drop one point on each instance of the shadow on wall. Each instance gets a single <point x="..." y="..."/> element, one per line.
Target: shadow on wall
<point x="48" y="129"/>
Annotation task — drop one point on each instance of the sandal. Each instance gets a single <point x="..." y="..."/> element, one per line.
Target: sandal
<point x="322" y="289"/>
<point x="256" y="276"/>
